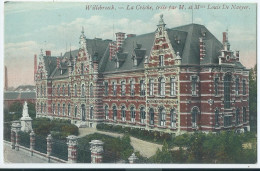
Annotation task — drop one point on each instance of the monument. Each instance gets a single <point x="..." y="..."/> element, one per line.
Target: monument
<point x="26" y="120"/>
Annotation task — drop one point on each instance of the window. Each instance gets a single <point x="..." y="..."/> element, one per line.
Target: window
<point x="216" y="81"/>
<point x="237" y="116"/>
<point x="68" y="90"/>
<point x="237" y="86"/>
<point x="45" y="108"/>
<point x="151" y="87"/>
<point x="75" y="111"/>
<point x="162" y="115"/>
<point x="217" y="118"/>
<point x="75" y="90"/>
<point x="68" y="109"/>
<point x="106" y="88"/>
<point x="53" y="108"/>
<point x="227" y="80"/>
<point x="244" y="114"/>
<point x="83" y="90"/>
<point x="106" y="112"/>
<point x="194" y="85"/>
<point x="132" y="111"/>
<point x="132" y="89"/>
<point x="63" y="90"/>
<point x="161" y="60"/>
<point x="134" y="61"/>
<point x="41" y="90"/>
<point x="173" y="118"/>
<point x="91" y="112"/>
<point x="114" y="113"/>
<point x="63" y="109"/>
<point x="41" y="75"/>
<point x="123" y="88"/>
<point x="123" y="116"/>
<point x="173" y="87"/>
<point x="151" y="113"/>
<point x="161" y="86"/>
<point x="82" y="69"/>
<point x="58" y="109"/>
<point x="117" y="64"/>
<point x="44" y="91"/>
<point x="53" y="91"/>
<point x="244" y="87"/>
<point x="114" y="88"/>
<point x="142" y="115"/>
<point x="91" y="92"/>
<point x="58" y="90"/>
<point x="142" y="90"/>
<point x="227" y="121"/>
<point x="194" y="115"/>
<point x="41" y="108"/>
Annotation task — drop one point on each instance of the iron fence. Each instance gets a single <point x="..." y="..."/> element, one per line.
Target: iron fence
<point x="24" y="139"/>
<point x="60" y="149"/>
<point x="7" y="131"/>
<point x="40" y="144"/>
<point x="83" y="154"/>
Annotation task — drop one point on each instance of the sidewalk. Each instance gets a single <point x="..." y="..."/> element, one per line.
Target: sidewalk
<point x="146" y="149"/>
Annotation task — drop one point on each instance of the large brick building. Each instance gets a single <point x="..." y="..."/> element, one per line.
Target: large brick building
<point x="173" y="80"/>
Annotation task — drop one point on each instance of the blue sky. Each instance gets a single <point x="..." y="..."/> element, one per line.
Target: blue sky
<point x="30" y="26"/>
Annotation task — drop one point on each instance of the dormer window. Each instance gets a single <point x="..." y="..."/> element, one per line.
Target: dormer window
<point x="82" y="68"/>
<point x="135" y="61"/>
<point x="117" y="64"/>
<point x="161" y="60"/>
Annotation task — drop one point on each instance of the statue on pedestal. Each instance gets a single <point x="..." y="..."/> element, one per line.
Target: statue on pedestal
<point x="26" y="120"/>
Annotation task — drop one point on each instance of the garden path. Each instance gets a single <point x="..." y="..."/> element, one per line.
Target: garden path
<point x="146" y="149"/>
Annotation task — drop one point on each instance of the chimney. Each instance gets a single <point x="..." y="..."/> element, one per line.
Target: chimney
<point x="120" y="37"/>
<point x="202" y="48"/>
<point x="58" y="62"/>
<point x="237" y="55"/>
<point x="35" y="66"/>
<point x="112" y="50"/>
<point x="131" y="35"/>
<point x="6" y="79"/>
<point x="48" y="53"/>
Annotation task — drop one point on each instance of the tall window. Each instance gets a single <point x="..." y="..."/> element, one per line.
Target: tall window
<point x="58" y="109"/>
<point x="135" y="61"/>
<point x="63" y="90"/>
<point x="151" y="87"/>
<point x="237" y="86"/>
<point x="173" y="118"/>
<point x="114" y="88"/>
<point x="41" y="90"/>
<point x="114" y="113"/>
<point x="106" y="112"/>
<point x="173" y="87"/>
<point x="237" y="116"/>
<point x="227" y="121"/>
<point x="216" y="81"/>
<point x="45" y="108"/>
<point x="68" y="90"/>
<point x="142" y="115"/>
<point x="82" y="68"/>
<point x="132" y="89"/>
<point x="58" y="90"/>
<point x="151" y="113"/>
<point x="53" y="108"/>
<point x="123" y="116"/>
<point x="106" y="88"/>
<point x="142" y="90"/>
<point x="63" y="109"/>
<point x="83" y="90"/>
<point x="132" y="111"/>
<point x="53" y="91"/>
<point x="75" y="90"/>
<point x="91" y="112"/>
<point x="75" y="111"/>
<point x="244" y="87"/>
<point x="41" y="107"/>
<point x="91" y="91"/>
<point x="194" y="85"/>
<point x="123" y="88"/>
<point x="161" y="60"/>
<point x="44" y="91"/>
<point x="194" y="117"/>
<point x="161" y="86"/>
<point x="217" y="118"/>
<point x="244" y="114"/>
<point x="68" y="109"/>
<point x="162" y="115"/>
<point x="227" y="82"/>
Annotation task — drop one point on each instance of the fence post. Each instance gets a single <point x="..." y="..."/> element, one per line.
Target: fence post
<point x="16" y="128"/>
<point x="72" y="142"/>
<point x="132" y="159"/>
<point x="12" y="139"/>
<point x="49" y="149"/>
<point x="96" y="148"/>
<point x="32" y="142"/>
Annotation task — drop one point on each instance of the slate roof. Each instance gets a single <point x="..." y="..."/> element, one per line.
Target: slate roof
<point x="11" y="95"/>
<point x="25" y="88"/>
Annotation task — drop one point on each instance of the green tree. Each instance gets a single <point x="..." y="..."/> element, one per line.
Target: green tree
<point x="164" y="155"/>
<point x="253" y="98"/>
<point x="31" y="110"/>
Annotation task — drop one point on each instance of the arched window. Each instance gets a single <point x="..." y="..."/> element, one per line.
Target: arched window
<point x="58" y="90"/>
<point x="68" y="109"/>
<point x="142" y="115"/>
<point x="58" y="109"/>
<point x="194" y="117"/>
<point x="82" y="90"/>
<point x="63" y="109"/>
<point x="173" y="118"/>
<point x="132" y="111"/>
<point x="68" y="90"/>
<point x="106" y="112"/>
<point x="237" y="86"/>
<point x="91" y="90"/>
<point x="91" y="113"/>
<point x="53" y="108"/>
<point x="123" y="113"/>
<point x="82" y="68"/>
<point x="75" y="111"/>
<point x="173" y="87"/>
<point x="237" y="116"/>
<point x="151" y="113"/>
<point x="123" y="88"/>
<point x="161" y="86"/>
<point x="227" y="82"/>
<point x="162" y="114"/>
<point x="217" y="118"/>
<point x="75" y="90"/>
<point x="41" y="108"/>
<point x="114" y="113"/>
<point x="244" y="114"/>
<point x="63" y="90"/>
<point x="83" y="112"/>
